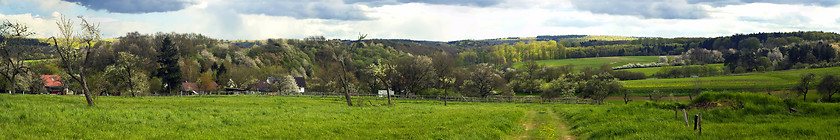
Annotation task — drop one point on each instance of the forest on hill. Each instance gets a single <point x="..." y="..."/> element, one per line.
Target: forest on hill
<point x="157" y="64"/>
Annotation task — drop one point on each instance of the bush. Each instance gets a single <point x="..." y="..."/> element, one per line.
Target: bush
<point x="628" y="75"/>
<point x="664" y="105"/>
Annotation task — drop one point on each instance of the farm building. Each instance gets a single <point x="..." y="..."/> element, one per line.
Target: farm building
<point x="301" y="83"/>
<point x="189" y="87"/>
<point x="383" y="93"/>
<point x="53" y="84"/>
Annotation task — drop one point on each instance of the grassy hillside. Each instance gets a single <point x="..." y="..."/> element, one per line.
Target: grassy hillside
<point x="595" y="62"/>
<point x="756" y="116"/>
<point x="248" y="117"/>
<point x="760" y="81"/>
<point x="651" y="70"/>
<point x="751" y="116"/>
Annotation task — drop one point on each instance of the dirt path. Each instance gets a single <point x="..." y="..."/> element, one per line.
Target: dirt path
<point x="543" y="123"/>
<point x="561" y="127"/>
<point x="528" y="123"/>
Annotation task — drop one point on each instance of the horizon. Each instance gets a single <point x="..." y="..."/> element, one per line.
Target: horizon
<point x="429" y="20"/>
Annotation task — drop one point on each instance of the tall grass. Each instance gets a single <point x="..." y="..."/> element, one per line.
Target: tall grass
<point x="754" y="116"/>
<point x="755" y="82"/>
<point x="248" y="117"/>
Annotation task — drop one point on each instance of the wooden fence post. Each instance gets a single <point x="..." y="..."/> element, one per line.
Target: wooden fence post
<point x="699" y="123"/>
<point x="695" y="121"/>
<point x="685" y="116"/>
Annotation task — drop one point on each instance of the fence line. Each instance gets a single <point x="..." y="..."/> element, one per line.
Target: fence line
<point x="495" y="99"/>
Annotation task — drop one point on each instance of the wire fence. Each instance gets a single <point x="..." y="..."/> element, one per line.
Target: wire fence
<point x="356" y="96"/>
<point x="488" y="99"/>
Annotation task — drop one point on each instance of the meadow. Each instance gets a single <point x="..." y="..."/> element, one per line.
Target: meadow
<point x="249" y="117"/>
<point x="731" y="115"/>
<point x="595" y="62"/>
<point x="740" y="115"/>
<point x="652" y="70"/>
<point x="755" y="82"/>
<point x="241" y="117"/>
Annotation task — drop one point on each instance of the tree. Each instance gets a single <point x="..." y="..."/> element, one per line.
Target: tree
<point x="829" y="85"/>
<point x="385" y="74"/>
<point x="697" y="88"/>
<point x="560" y="87"/>
<point x="444" y="64"/>
<point x="344" y="59"/>
<point x="168" y="69"/>
<point x="206" y="83"/>
<point x="76" y="60"/>
<point x="602" y="85"/>
<point x="483" y="80"/>
<point x="220" y="72"/>
<point x="416" y="73"/>
<point x="804" y="83"/>
<point x="751" y="44"/>
<point x="124" y="72"/>
<point x="287" y="84"/>
<point x="528" y="78"/>
<point x="12" y="51"/>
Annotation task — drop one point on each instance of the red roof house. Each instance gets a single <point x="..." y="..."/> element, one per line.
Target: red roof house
<point x="53" y="84"/>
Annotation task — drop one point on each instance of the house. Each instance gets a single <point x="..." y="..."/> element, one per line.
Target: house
<point x="189" y="87"/>
<point x="263" y="86"/>
<point x="301" y="83"/>
<point x="53" y="84"/>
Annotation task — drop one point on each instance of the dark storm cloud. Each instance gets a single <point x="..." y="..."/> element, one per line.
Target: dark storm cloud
<point x="478" y="3"/>
<point x="132" y="6"/>
<point x="301" y="9"/>
<point x="719" y="3"/>
<point x="667" y="9"/>
<point x="334" y="9"/>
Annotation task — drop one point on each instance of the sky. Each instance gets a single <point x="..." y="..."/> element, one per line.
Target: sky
<point x="434" y="20"/>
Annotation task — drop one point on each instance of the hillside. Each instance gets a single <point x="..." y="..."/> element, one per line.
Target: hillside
<point x="755" y="82"/>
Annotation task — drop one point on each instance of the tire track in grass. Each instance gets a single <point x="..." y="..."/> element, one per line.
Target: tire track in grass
<point x="562" y="129"/>
<point x="528" y="123"/>
<point x="543" y="123"/>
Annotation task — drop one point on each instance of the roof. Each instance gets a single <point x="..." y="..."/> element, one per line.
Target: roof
<point x="51" y="80"/>
<point x="300" y="81"/>
<point x="189" y="86"/>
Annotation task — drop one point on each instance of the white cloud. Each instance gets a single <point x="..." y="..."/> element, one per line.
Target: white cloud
<point x="439" y="22"/>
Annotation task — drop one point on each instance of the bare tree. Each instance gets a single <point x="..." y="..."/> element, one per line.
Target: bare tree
<point x="75" y="60"/>
<point x="345" y="59"/>
<point x="12" y="51"/>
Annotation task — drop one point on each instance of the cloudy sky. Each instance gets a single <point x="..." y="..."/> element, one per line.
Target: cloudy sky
<point x="438" y="20"/>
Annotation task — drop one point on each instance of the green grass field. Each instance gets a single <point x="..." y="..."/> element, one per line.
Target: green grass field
<point x="652" y="70"/>
<point x="595" y="62"/>
<point x="757" y="82"/>
<point x="286" y="117"/>
<point x="765" y="117"/>
<point x="249" y="117"/>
